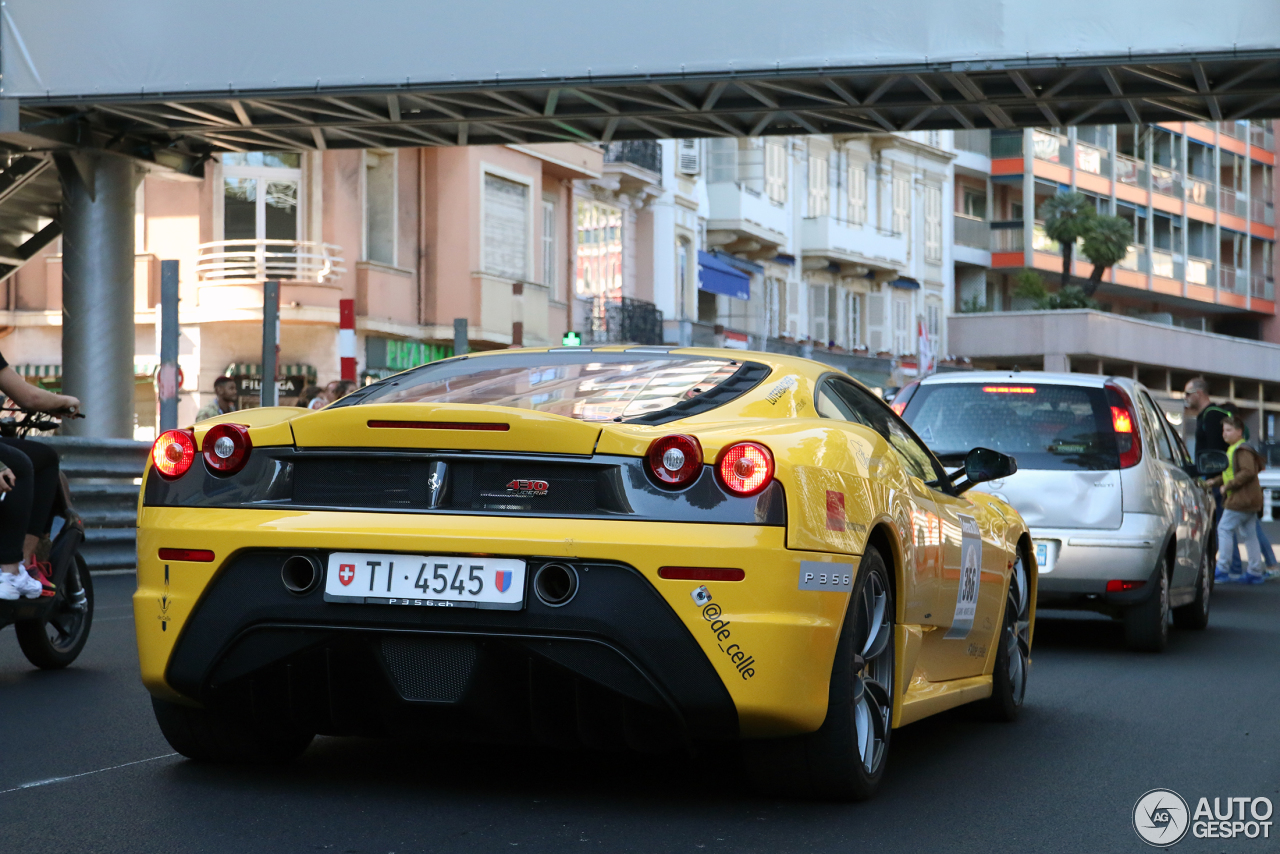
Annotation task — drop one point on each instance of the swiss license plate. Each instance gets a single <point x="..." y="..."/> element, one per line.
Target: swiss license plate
<point x="1045" y="555"/>
<point x="425" y="580"/>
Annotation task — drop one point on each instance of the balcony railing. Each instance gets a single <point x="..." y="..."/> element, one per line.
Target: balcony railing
<point x="1006" y="236"/>
<point x="1166" y="182"/>
<point x="624" y="320"/>
<point x="1200" y="191"/>
<point x="1262" y="287"/>
<point x="977" y="141"/>
<point x="1134" y="259"/>
<point x="972" y="231"/>
<point x="1231" y="202"/>
<point x="1093" y="160"/>
<point x="645" y="153"/>
<point x="1006" y="144"/>
<point x="1200" y="272"/>
<point x="1049" y="147"/>
<point x="1235" y="130"/>
<point x="1262" y="211"/>
<point x="1166" y="264"/>
<point x="1263" y="137"/>
<point x="1234" y="280"/>
<point x="1131" y="171"/>
<point x="269" y="260"/>
<point x="1041" y="242"/>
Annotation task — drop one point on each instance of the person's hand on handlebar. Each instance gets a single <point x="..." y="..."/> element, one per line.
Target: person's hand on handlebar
<point x="7" y="480"/>
<point x="28" y="396"/>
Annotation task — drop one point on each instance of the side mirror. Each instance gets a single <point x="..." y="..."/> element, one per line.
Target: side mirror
<point x="984" y="464"/>
<point x="1209" y="463"/>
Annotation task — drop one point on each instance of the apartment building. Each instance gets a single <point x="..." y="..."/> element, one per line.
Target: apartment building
<point x="1196" y="293"/>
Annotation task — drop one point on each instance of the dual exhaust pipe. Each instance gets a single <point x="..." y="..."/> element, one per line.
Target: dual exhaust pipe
<point x="555" y="584"/>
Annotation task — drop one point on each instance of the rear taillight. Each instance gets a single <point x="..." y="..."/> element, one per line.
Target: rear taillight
<point x="1116" y="585"/>
<point x="675" y="460"/>
<point x="226" y="448"/>
<point x="173" y="453"/>
<point x="1124" y="422"/>
<point x="903" y="397"/>
<point x="745" y="468"/>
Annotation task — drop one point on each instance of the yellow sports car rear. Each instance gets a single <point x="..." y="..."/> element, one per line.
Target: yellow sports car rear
<point x="641" y="547"/>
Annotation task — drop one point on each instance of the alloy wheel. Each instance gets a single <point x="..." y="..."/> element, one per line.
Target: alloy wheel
<point x="1017" y="630"/>
<point x="873" y="697"/>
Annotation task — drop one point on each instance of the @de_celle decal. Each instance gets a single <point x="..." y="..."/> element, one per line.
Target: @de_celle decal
<point x="742" y="661"/>
<point x="970" y="579"/>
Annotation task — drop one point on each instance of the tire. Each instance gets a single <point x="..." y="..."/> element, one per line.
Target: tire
<point x="1146" y="625"/>
<point x="56" y="641"/>
<point x="208" y="735"/>
<point x="846" y="758"/>
<point x="1195" y="614"/>
<point x="1013" y="651"/>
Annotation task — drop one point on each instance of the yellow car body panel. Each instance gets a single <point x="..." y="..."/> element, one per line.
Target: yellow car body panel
<point x="771" y="644"/>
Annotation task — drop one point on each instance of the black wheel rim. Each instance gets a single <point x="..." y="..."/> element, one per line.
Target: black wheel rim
<point x="1017" y="631"/>
<point x="67" y="622"/>
<point x="873" y="698"/>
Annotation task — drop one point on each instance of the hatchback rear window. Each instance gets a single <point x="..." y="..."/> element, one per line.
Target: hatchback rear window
<point x="579" y="384"/>
<point x="1044" y="426"/>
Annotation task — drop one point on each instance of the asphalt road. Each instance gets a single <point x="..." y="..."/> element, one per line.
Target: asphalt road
<point x="83" y="767"/>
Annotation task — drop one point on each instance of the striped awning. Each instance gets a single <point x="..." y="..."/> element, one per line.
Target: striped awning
<point x="249" y="369"/>
<point x="141" y="368"/>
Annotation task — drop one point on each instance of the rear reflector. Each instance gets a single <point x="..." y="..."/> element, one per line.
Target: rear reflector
<point x="1009" y="389"/>
<point x="700" y="573"/>
<point x="441" y="425"/>
<point x="1115" y="585"/>
<point x="192" y="555"/>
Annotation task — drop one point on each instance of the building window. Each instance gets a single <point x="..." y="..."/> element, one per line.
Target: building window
<point x="974" y="203"/>
<point x="933" y="224"/>
<point x="902" y="339"/>
<point x="549" y="243"/>
<point x="933" y="322"/>
<point x="260" y="195"/>
<point x="684" y="276"/>
<point x="857" y="193"/>
<point x="775" y="170"/>
<point x="506" y="228"/>
<point x="848" y="312"/>
<point x="901" y="204"/>
<point x="818" y="314"/>
<point x="380" y="206"/>
<point x="599" y="262"/>
<point x="819" y="187"/>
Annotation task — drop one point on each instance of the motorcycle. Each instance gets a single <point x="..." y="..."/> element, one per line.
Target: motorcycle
<point x="52" y="630"/>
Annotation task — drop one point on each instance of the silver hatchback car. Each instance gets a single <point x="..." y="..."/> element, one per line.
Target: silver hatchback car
<point x="1120" y="520"/>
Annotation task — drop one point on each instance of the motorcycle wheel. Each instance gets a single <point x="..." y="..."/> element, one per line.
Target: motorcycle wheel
<point x="55" y="641"/>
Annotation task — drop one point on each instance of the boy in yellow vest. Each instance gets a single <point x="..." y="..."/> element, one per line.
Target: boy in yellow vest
<point x="1242" y="499"/>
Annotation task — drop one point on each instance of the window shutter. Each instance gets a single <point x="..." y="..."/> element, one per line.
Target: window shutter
<point x="548" y="242"/>
<point x="688" y="161"/>
<point x="793" y="309"/>
<point x="506" y="228"/>
<point x="857" y="193"/>
<point x="933" y="224"/>
<point x="775" y="171"/>
<point x="818" y="314"/>
<point x="901" y="204"/>
<point x="875" y="323"/>
<point x="819" y="187"/>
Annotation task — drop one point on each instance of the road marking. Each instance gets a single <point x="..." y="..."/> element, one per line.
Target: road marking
<point x="53" y="780"/>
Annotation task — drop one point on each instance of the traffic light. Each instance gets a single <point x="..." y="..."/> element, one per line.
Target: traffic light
<point x="571" y="339"/>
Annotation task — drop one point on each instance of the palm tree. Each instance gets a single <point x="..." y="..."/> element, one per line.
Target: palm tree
<point x="1066" y="219"/>
<point x="1106" y="243"/>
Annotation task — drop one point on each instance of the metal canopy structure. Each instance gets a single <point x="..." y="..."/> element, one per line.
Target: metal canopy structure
<point x="814" y="100"/>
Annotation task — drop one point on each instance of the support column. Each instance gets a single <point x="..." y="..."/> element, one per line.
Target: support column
<point x="97" y="291"/>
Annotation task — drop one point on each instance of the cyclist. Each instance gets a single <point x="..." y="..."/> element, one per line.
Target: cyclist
<point x="29" y="483"/>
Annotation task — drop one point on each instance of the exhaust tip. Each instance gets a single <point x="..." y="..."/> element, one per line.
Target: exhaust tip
<point x="300" y="574"/>
<point x="555" y="584"/>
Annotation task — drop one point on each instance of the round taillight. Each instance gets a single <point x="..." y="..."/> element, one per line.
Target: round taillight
<point x="173" y="453"/>
<point x="226" y="448"/>
<point x="745" y="468"/>
<point x="675" y="460"/>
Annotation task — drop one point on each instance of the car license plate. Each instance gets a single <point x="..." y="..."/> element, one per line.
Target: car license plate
<point x="445" y="581"/>
<point x="1046" y="555"/>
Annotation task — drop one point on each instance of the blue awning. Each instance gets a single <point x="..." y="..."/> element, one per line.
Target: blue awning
<point x="718" y="277"/>
<point x="906" y="283"/>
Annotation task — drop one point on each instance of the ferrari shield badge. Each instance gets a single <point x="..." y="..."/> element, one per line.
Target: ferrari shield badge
<point x="970" y="578"/>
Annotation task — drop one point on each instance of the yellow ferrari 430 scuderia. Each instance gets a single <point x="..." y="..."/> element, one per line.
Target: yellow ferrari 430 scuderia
<point x="635" y="546"/>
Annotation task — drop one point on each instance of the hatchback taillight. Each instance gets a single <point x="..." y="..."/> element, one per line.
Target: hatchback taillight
<point x="1124" y="422"/>
<point x="226" y="448"/>
<point x="675" y="460"/>
<point x="173" y="453"/>
<point x="745" y="468"/>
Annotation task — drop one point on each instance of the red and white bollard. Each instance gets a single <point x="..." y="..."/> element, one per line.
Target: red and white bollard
<point x="347" y="338"/>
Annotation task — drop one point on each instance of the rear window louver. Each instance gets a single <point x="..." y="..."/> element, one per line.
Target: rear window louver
<point x="747" y="377"/>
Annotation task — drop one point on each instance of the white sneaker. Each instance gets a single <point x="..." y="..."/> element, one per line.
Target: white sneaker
<point x="30" y="588"/>
<point x="9" y="586"/>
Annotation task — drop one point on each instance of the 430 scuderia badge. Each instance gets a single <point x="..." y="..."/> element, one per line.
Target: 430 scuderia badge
<point x="742" y="661"/>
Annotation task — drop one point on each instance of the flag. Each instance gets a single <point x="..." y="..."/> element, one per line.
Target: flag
<point x="925" y="364"/>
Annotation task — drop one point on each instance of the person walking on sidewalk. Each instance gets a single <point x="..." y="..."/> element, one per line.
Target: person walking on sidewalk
<point x="226" y="398"/>
<point x="1242" y="494"/>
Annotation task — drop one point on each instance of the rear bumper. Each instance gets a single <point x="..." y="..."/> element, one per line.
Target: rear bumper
<point x="1088" y="558"/>
<point x="629" y="648"/>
